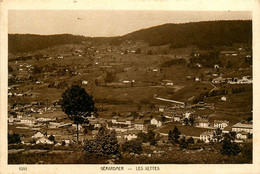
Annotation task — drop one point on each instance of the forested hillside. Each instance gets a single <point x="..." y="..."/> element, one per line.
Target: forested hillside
<point x="202" y="34"/>
<point x="30" y="42"/>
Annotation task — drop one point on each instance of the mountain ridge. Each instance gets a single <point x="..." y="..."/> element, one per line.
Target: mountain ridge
<point x="202" y="34"/>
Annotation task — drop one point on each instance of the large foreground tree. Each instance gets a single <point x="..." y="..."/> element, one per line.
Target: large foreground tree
<point x="78" y="105"/>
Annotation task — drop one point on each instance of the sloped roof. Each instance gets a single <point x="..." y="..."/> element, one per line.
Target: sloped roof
<point x="132" y="132"/>
<point x="208" y="133"/>
<point x="141" y="121"/>
<point x="243" y="133"/>
<point x="221" y="121"/>
<point x="202" y="121"/>
<point x="243" y="125"/>
<point x="228" y="128"/>
<point x="121" y="119"/>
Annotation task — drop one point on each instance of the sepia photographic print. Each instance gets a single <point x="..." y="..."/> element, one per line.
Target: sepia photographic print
<point x="129" y="90"/>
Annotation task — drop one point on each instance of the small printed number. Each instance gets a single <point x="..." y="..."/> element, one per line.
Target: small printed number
<point x="22" y="168"/>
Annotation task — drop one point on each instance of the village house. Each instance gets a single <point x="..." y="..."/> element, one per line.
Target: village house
<point x="177" y="118"/>
<point x="140" y="125"/>
<point x="54" y="124"/>
<point x="118" y="129"/>
<point x="130" y="135"/>
<point x="204" y="123"/>
<point x="162" y="108"/>
<point x="188" y="77"/>
<point x="114" y="119"/>
<point x="79" y="127"/>
<point x="44" y="140"/>
<point x="121" y="120"/>
<point x="204" y="116"/>
<point x="156" y="121"/>
<point x="167" y="82"/>
<point x="221" y="124"/>
<point x="246" y="80"/>
<point x="207" y="136"/>
<point x="28" y="120"/>
<point x="84" y="82"/>
<point x="219" y="80"/>
<point x="99" y="123"/>
<point x="228" y="53"/>
<point x="10" y="119"/>
<point x="223" y="99"/>
<point x="199" y="105"/>
<point x="239" y="127"/>
<point x="68" y="142"/>
<point x="187" y="114"/>
<point x="38" y="135"/>
<point x="197" y="79"/>
<point x="242" y="135"/>
<point x="243" y="80"/>
<point x="129" y="120"/>
<point x="41" y="119"/>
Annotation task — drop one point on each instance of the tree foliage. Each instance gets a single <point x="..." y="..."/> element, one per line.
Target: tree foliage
<point x="201" y="34"/>
<point x="183" y="143"/>
<point x="174" y="135"/>
<point x="218" y="135"/>
<point x="229" y="148"/>
<point x="14" y="139"/>
<point x="77" y="104"/>
<point x="30" y="42"/>
<point x="149" y="137"/>
<point x="190" y="140"/>
<point x="51" y="138"/>
<point x="105" y="143"/>
<point x="133" y="146"/>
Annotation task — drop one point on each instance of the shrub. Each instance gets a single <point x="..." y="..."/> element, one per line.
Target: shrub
<point x="14" y="138"/>
<point x="133" y="146"/>
<point x="105" y="144"/>
<point x="229" y="148"/>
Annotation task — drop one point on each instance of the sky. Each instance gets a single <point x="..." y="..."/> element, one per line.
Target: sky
<point x="99" y="23"/>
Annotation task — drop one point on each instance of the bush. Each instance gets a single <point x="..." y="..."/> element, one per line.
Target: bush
<point x="14" y="139"/>
<point x="147" y="137"/>
<point x="183" y="143"/>
<point x="138" y="51"/>
<point x="133" y="146"/>
<point x="229" y="148"/>
<point x="104" y="145"/>
<point x="247" y="151"/>
<point x="174" y="135"/>
<point x="190" y="140"/>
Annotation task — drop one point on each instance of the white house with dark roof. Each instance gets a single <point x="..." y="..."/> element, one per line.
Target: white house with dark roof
<point x="239" y="127"/>
<point x="207" y="136"/>
<point x="140" y="124"/>
<point x="203" y="123"/>
<point x="156" y="121"/>
<point x="221" y="124"/>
